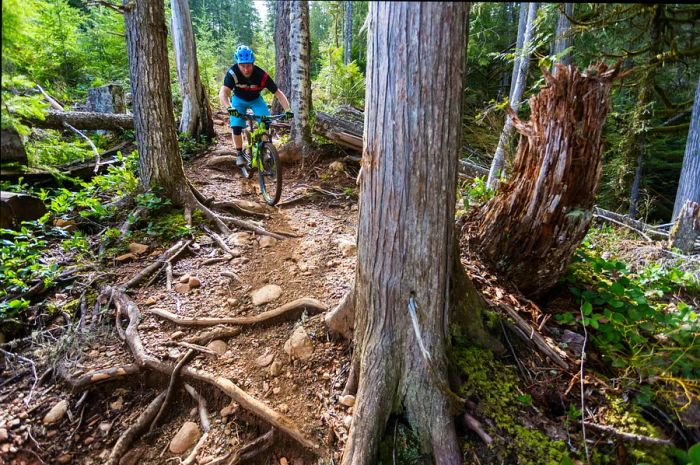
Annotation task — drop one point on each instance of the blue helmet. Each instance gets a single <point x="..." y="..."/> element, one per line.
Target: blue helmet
<point x="244" y="55"/>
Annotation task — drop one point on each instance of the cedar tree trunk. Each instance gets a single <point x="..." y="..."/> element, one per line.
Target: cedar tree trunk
<point x="196" y="117"/>
<point x="562" y="36"/>
<point x="689" y="182"/>
<point x="406" y="224"/>
<point x="532" y="227"/>
<point x="282" y="72"/>
<point x="300" y="78"/>
<point x="347" y="33"/>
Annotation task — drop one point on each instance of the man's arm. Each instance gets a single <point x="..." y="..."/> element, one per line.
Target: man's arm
<point x="225" y="97"/>
<point x="283" y="99"/>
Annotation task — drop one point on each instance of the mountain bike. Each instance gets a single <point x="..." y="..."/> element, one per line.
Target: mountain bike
<point x="260" y="154"/>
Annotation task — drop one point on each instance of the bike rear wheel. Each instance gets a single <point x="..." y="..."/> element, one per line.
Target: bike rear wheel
<point x="270" y="174"/>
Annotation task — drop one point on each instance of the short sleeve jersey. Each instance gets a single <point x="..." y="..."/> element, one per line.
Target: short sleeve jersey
<point x="248" y="88"/>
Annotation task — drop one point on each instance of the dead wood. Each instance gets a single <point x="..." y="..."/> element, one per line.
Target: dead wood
<point x="628" y="436"/>
<point x="248" y="402"/>
<point x="287" y="311"/>
<point x="686" y="229"/>
<point x="341" y="319"/>
<point x="166" y="256"/>
<point x="56" y="119"/>
<point x="196" y="347"/>
<point x="531" y="228"/>
<point x="171" y="387"/>
<point x="645" y="230"/>
<point x="142" y="422"/>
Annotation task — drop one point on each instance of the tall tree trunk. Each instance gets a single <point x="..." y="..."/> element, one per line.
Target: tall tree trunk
<point x="196" y="119"/>
<point x="562" y="36"/>
<point x="529" y="231"/>
<point x="282" y="59"/>
<point x="160" y="164"/>
<point x="300" y="47"/>
<point x="516" y="94"/>
<point x="635" y="144"/>
<point x="520" y="37"/>
<point x="406" y="226"/>
<point x="689" y="182"/>
<point x="347" y="33"/>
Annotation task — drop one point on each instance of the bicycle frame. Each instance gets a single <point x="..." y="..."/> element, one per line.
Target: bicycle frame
<point x="259" y="135"/>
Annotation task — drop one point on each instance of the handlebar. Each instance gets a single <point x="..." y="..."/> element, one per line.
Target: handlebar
<point x="254" y="118"/>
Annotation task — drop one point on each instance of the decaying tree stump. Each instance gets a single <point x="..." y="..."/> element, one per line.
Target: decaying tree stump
<point x="529" y="231"/>
<point x="686" y="228"/>
<point x="11" y="147"/>
<point x="106" y="99"/>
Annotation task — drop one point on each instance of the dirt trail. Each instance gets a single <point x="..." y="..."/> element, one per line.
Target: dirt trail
<point x="319" y="263"/>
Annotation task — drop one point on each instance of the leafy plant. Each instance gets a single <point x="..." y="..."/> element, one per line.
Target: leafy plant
<point x="477" y="193"/>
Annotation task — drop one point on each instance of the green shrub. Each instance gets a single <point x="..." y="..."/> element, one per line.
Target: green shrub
<point x="338" y="84"/>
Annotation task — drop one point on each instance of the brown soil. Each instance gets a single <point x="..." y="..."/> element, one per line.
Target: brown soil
<point x="311" y="265"/>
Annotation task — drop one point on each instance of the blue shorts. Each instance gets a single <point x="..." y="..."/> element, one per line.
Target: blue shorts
<point x="258" y="105"/>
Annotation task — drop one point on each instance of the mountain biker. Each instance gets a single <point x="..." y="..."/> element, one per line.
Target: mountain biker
<point x="247" y="81"/>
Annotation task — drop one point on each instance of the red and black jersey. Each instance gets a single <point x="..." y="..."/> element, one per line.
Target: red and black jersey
<point x="248" y="88"/>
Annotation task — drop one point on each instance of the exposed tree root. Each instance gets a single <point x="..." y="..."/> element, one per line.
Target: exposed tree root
<point x="142" y="422"/>
<point x="288" y="310"/>
<point x="216" y="333"/>
<point x="203" y="419"/>
<point x="171" y="387"/>
<point x="158" y="263"/>
<point x="127" y="307"/>
<point x="628" y="436"/>
<point x="219" y="241"/>
<point x="341" y="320"/>
<point x="196" y="347"/>
<point x="238" y="209"/>
<point x="98" y="376"/>
<point x="257" y="229"/>
<point x="248" y="451"/>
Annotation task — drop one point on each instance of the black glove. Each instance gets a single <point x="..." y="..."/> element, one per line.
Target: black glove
<point x="233" y="112"/>
<point x="288" y="114"/>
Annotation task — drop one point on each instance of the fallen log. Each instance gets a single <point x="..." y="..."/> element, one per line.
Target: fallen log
<point x="82" y="120"/>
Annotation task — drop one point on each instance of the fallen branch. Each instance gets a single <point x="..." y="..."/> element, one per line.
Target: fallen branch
<point x="196" y="347"/>
<point x="125" y="440"/>
<point x="529" y="334"/>
<point x="250" y="403"/>
<point x="238" y="209"/>
<point x="289" y="310"/>
<point x="248" y="451"/>
<point x="629" y="436"/>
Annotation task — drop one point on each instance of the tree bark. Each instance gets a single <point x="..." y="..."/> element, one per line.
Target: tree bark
<point x="347" y="33"/>
<point x="689" y="182"/>
<point x="529" y="231"/>
<point x="562" y="36"/>
<point x="299" y="75"/>
<point x="160" y="165"/>
<point x="686" y="228"/>
<point x="196" y="118"/>
<point x="11" y="147"/>
<point x="54" y="119"/>
<point x="406" y="225"/>
<point x="516" y="93"/>
<point x="282" y="60"/>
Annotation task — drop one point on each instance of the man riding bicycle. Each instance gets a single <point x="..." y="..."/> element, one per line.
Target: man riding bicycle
<point x="247" y="81"/>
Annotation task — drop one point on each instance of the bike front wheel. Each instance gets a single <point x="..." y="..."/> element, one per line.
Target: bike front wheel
<point x="270" y="174"/>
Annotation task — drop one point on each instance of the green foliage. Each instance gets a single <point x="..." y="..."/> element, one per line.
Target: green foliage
<point x="477" y="193"/>
<point x="17" y="103"/>
<point x="400" y="446"/>
<point x="338" y="84"/>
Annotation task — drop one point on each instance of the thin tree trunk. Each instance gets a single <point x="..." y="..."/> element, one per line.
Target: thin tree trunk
<point x="530" y="230"/>
<point x="196" y="119"/>
<point x="406" y="226"/>
<point x="516" y="93"/>
<point x="299" y="72"/>
<point x="562" y="37"/>
<point x="689" y="182"/>
<point x="520" y="37"/>
<point x="347" y="33"/>
<point x="282" y="59"/>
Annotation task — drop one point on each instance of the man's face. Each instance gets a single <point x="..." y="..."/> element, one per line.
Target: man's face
<point x="246" y="69"/>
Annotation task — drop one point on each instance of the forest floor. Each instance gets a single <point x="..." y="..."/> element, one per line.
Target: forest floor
<point x="317" y="263"/>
